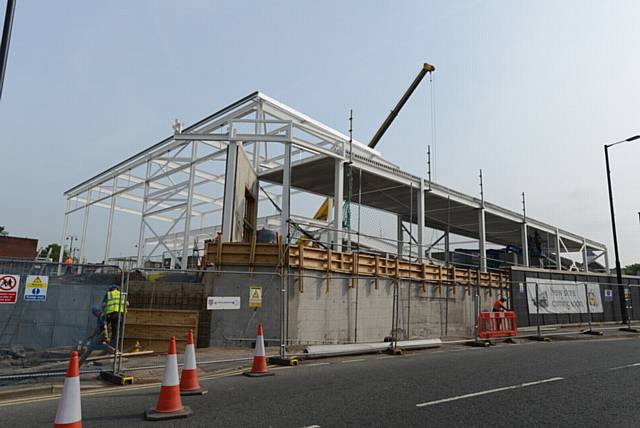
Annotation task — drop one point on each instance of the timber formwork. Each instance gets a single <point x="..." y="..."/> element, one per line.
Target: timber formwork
<point x="300" y="258"/>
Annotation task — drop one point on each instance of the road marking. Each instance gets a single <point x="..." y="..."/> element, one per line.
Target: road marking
<point x="387" y="356"/>
<point x="311" y="426"/>
<point x="489" y="391"/>
<point x="317" y="364"/>
<point x="354" y="361"/>
<point x="625" y="366"/>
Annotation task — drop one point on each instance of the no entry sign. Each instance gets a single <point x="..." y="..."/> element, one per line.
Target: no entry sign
<point x="9" y="285"/>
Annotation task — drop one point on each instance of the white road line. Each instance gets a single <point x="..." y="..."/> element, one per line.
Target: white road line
<point x="386" y="356"/>
<point x="317" y="364"/>
<point x="311" y="426"/>
<point x="489" y="391"/>
<point x="625" y="366"/>
<point x="354" y="361"/>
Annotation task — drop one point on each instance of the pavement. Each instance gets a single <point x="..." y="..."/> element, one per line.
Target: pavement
<point x="590" y="382"/>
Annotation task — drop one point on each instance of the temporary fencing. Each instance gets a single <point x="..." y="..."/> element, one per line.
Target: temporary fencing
<point x="497" y="324"/>
<point x="47" y="305"/>
<point x="224" y="305"/>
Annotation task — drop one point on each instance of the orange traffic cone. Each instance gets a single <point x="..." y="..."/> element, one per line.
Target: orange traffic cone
<point x="169" y="404"/>
<point x="69" y="414"/>
<point x="259" y="367"/>
<point x="189" y="384"/>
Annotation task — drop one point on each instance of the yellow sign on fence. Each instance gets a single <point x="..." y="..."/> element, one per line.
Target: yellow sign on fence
<point x="255" y="297"/>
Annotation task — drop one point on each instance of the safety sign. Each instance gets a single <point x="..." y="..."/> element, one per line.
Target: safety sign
<point x="36" y="289"/>
<point x="9" y="285"/>
<point x="255" y="297"/>
<point x="608" y="295"/>
<point x="223" y="302"/>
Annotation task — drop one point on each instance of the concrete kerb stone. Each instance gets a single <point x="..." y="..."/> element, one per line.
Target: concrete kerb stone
<point x="8" y="393"/>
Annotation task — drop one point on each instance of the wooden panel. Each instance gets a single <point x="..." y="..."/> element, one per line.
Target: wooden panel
<point x="343" y="262"/>
<point x="153" y="327"/>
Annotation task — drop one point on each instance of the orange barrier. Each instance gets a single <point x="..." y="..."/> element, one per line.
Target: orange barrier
<point x="497" y="324"/>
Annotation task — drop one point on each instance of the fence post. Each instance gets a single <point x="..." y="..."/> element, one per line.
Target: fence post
<point x="537" y="310"/>
<point x="586" y="295"/>
<point x="476" y="308"/>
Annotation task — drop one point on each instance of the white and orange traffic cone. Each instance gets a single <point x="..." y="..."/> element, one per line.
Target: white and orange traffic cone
<point x="69" y="414"/>
<point x="259" y="367"/>
<point x="189" y="384"/>
<point x="169" y="404"/>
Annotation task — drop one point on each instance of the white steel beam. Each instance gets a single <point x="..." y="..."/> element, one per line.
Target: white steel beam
<point x="187" y="217"/>
<point x="107" y="245"/>
<point x="482" y="239"/>
<point x="558" y="253"/>
<point x="338" y="197"/>
<point x="421" y="221"/>
<point x="524" y="240"/>
<point x="229" y="191"/>
<point x="142" y="215"/>
<point x="83" y="235"/>
<point x="285" y="212"/>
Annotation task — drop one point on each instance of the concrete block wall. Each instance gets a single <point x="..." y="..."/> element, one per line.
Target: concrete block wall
<point x="328" y="315"/>
<point x="238" y="327"/>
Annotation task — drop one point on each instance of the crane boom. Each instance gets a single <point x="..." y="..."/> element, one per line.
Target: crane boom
<point x="426" y="68"/>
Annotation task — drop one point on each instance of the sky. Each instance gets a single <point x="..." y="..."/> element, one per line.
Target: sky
<point x="526" y="91"/>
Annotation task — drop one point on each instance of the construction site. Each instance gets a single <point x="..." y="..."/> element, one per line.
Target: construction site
<point x="245" y="214"/>
<point x="259" y="213"/>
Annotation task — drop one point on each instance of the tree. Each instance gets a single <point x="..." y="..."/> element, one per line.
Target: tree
<point x="633" y="269"/>
<point x="3" y="231"/>
<point x="55" y="252"/>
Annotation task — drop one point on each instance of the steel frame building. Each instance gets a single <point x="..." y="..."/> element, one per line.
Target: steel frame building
<point x="189" y="177"/>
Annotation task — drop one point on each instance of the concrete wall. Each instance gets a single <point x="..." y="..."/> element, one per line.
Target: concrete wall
<point x="237" y="327"/>
<point x="318" y="314"/>
<point x="328" y="315"/>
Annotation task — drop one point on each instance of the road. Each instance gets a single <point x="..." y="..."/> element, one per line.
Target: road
<point x="565" y="383"/>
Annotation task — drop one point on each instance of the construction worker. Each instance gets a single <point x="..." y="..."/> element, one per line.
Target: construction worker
<point x="499" y="305"/>
<point x="99" y="339"/>
<point x="68" y="261"/>
<point x="113" y="306"/>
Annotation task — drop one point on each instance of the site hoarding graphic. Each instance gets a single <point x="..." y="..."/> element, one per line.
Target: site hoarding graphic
<point x="564" y="297"/>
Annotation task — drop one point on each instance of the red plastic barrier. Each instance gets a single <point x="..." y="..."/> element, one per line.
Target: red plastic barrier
<point x="497" y="324"/>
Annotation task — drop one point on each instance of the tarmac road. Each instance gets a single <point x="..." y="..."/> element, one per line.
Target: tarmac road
<point x="564" y="383"/>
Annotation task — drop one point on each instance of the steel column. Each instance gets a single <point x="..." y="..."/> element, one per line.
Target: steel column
<point x="229" y="191"/>
<point x="112" y="208"/>
<point x="188" y="213"/>
<point x="524" y="238"/>
<point x="64" y="235"/>
<point x="558" y="256"/>
<point x="421" y="221"/>
<point x="83" y="236"/>
<point x="399" y="235"/>
<point x="285" y="212"/>
<point x="482" y="240"/>
<point x="338" y="196"/>
<point x="585" y="257"/>
<point x="145" y="201"/>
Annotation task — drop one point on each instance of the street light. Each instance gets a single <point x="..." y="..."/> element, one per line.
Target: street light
<point x="621" y="295"/>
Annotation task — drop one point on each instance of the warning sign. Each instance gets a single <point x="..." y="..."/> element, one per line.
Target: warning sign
<point x="36" y="289"/>
<point x="255" y="297"/>
<point x="9" y="285"/>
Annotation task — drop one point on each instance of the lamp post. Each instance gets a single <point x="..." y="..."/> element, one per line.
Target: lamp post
<point x="621" y="294"/>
